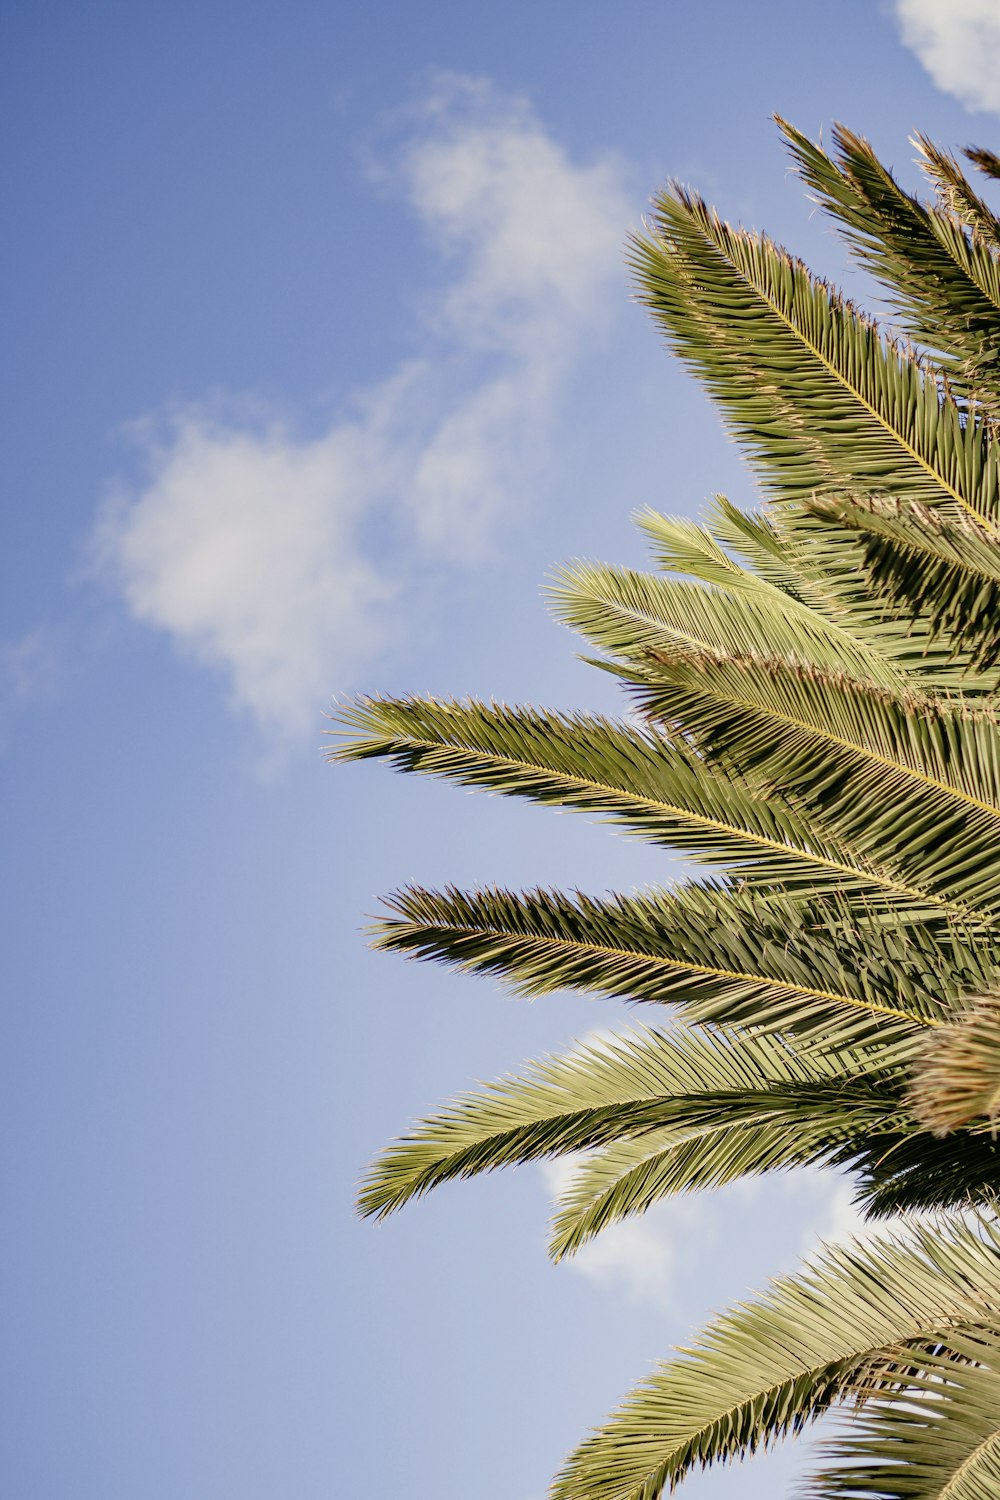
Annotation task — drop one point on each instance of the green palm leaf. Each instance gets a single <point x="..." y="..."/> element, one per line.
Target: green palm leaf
<point x="687" y="1082"/>
<point x="724" y="956"/>
<point x="933" y="1436"/>
<point x="945" y="286"/>
<point x="725" y="648"/>
<point x="795" y="567"/>
<point x="634" y="778"/>
<point x="880" y="773"/>
<point x="768" y="1368"/>
<point x="819" y="399"/>
<point x="780" y="577"/>
<point x="629" y="1176"/>
<point x="630" y="613"/>
<point x="947" y="573"/>
<point x="681" y="545"/>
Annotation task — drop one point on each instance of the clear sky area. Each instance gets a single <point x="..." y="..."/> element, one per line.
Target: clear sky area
<point x="320" y="357"/>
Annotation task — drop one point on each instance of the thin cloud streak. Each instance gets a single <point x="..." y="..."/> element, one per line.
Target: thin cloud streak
<point x="28" y="674"/>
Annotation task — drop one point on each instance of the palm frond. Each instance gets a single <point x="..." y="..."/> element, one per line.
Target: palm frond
<point x="779" y="579"/>
<point x="956" y="193"/>
<point x="806" y="678"/>
<point x="631" y="613"/>
<point x="786" y="574"/>
<point x="725" y="957"/>
<point x="819" y="399"/>
<point x="880" y="773"/>
<point x="932" y="1435"/>
<point x="915" y="1171"/>
<point x="776" y="555"/>
<point x="635" y="779"/>
<point x="770" y="1367"/>
<point x="834" y="581"/>
<point x="945" y="287"/>
<point x="681" y="545"/>
<point x="685" y="1081"/>
<point x="896" y="1166"/>
<point x="627" y="1177"/>
<point x="788" y="555"/>
<point x="946" y="573"/>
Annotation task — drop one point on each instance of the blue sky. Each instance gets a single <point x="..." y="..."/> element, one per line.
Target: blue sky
<point x="324" y="358"/>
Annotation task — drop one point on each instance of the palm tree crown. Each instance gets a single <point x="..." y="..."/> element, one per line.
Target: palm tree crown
<point x="816" y="694"/>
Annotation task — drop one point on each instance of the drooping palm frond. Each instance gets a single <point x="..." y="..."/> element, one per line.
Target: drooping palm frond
<point x="933" y="1435"/>
<point x="917" y="1171"/>
<point x="686" y="1082"/>
<point x="770" y="1367"/>
<point x="821" y="401"/>
<point x="724" y="956"/>
<point x="943" y="284"/>
<point x="895" y="1164"/>
<point x="627" y="1177"/>
<point x="638" y="780"/>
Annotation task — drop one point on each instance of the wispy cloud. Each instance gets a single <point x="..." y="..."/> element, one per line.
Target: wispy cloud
<point x="28" y="673"/>
<point x="959" y="45"/>
<point x="833" y="1218"/>
<point x="280" y="559"/>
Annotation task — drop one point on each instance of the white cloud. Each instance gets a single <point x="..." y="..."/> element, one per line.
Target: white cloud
<point x="538" y="234"/>
<point x="958" y="42"/>
<point x="277" y="559"/>
<point x="242" y="545"/>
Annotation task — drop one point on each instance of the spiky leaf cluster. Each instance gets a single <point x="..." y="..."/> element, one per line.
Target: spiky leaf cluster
<point x="816" y="724"/>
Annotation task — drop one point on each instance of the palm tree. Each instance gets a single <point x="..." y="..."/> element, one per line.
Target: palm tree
<point x="816" y="688"/>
